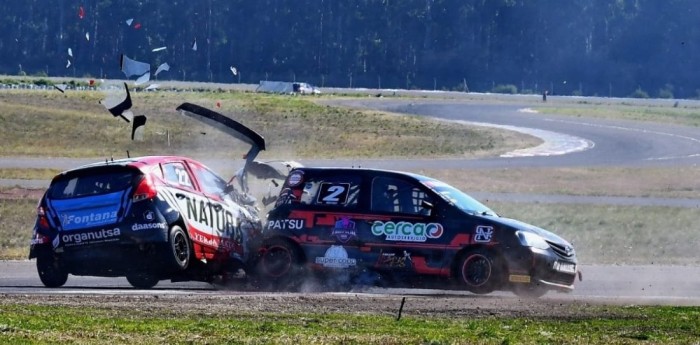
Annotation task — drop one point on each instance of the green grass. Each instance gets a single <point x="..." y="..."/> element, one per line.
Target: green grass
<point x="664" y="182"/>
<point x="74" y="124"/>
<point x="28" y="174"/>
<point x="41" y="324"/>
<point x="616" y="234"/>
<point x="687" y="116"/>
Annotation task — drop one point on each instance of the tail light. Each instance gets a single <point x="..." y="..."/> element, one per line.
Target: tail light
<point x="145" y="190"/>
<point x="41" y="216"/>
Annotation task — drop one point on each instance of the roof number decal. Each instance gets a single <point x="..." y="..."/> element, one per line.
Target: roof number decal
<point x="333" y="193"/>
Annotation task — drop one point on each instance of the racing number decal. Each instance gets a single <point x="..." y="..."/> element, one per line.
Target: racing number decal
<point x="182" y="177"/>
<point x="333" y="193"/>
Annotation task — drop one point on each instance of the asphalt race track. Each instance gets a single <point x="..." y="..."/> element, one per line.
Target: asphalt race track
<point x="571" y="142"/>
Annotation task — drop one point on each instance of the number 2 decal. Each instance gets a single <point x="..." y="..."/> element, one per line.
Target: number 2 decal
<point x="333" y="193"/>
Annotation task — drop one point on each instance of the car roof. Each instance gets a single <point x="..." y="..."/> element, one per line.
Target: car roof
<point x="364" y="171"/>
<point x="137" y="162"/>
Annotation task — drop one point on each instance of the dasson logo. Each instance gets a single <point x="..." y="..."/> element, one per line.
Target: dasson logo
<point x="147" y="226"/>
<point x="95" y="236"/>
<point x="407" y="232"/>
<point x="91" y="218"/>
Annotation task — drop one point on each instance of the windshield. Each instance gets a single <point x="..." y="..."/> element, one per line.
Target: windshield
<point x="458" y="198"/>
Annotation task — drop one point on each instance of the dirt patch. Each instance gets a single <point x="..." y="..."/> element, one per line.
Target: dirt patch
<point x="17" y="193"/>
<point x="228" y="303"/>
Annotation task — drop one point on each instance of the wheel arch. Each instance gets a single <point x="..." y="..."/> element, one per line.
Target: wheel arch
<point x="495" y="251"/>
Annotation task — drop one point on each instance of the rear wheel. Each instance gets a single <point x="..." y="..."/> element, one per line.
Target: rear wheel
<point x="280" y="265"/>
<point x="142" y="280"/>
<point x="51" y="271"/>
<point x="179" y="248"/>
<point x="478" y="271"/>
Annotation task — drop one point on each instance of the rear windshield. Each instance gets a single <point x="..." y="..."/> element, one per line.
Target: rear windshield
<point x="91" y="182"/>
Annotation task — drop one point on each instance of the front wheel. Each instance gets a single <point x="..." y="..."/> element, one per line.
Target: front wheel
<point x="477" y="271"/>
<point x="51" y="271"/>
<point x="180" y="250"/>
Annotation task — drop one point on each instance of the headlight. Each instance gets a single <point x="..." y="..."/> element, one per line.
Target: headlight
<point x="529" y="239"/>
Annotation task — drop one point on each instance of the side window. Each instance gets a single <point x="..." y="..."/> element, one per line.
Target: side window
<point x="397" y="196"/>
<point x="332" y="191"/>
<point x="176" y="174"/>
<point x="208" y="181"/>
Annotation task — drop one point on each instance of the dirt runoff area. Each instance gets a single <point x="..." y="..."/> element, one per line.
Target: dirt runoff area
<point x="229" y="303"/>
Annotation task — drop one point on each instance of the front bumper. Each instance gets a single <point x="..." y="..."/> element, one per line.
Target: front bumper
<point x="544" y="268"/>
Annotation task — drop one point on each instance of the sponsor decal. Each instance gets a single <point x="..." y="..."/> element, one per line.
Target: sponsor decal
<point x="148" y="226"/>
<point x="286" y="224"/>
<point x="344" y="230"/>
<point x="336" y="257"/>
<point x="391" y="260"/>
<point x="483" y="234"/>
<point x="149" y="216"/>
<point x="407" y="232"/>
<point x="89" y="219"/>
<point x="221" y="245"/>
<point x="214" y="218"/>
<point x="295" y="178"/>
<point x="104" y="235"/>
<point x="519" y="278"/>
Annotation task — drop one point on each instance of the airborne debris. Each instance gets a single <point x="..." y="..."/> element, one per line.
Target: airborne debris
<point x="194" y="45"/>
<point x="87" y="36"/>
<point x="118" y="105"/>
<point x="234" y="70"/>
<point x="61" y="87"/>
<point x="68" y="63"/>
<point x="163" y="67"/>
<point x="138" y="127"/>
<point x="143" y="79"/>
<point x="81" y="12"/>
<point x="70" y="52"/>
<point x="132" y="67"/>
<point x="158" y="49"/>
<point x="129" y="21"/>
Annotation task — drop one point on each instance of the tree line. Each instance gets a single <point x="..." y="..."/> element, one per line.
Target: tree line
<point x="573" y="47"/>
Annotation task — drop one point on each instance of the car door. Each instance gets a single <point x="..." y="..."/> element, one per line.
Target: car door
<point x="325" y="220"/>
<point x="221" y="221"/>
<point x="405" y="233"/>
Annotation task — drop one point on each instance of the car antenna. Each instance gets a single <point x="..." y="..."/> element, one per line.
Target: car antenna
<point x="111" y="158"/>
<point x="127" y="154"/>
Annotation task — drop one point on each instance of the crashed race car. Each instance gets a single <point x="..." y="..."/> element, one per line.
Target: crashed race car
<point x="387" y="228"/>
<point x="149" y="218"/>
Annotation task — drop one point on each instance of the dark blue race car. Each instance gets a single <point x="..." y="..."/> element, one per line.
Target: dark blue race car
<point x="398" y="229"/>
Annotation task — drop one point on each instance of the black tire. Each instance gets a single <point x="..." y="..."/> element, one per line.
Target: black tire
<point x="280" y="266"/>
<point x="530" y="291"/>
<point x="51" y="271"/>
<point x="478" y="271"/>
<point x="142" y="280"/>
<point x="179" y="248"/>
